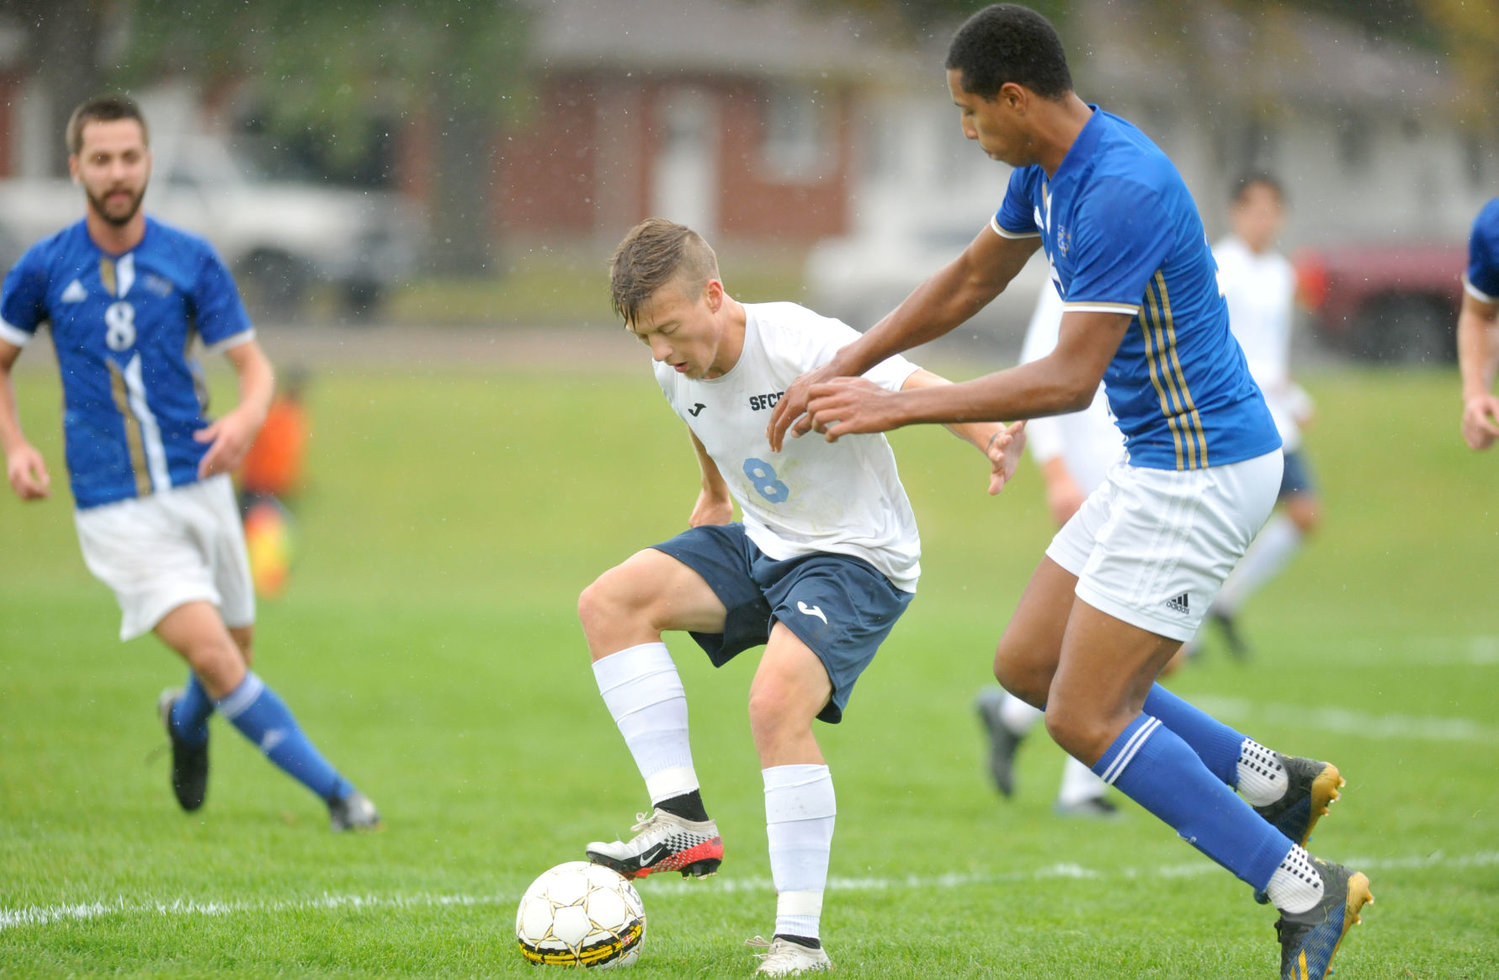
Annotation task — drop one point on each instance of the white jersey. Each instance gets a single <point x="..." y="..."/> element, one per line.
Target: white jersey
<point x="1088" y="441"/>
<point x="1261" y="292"/>
<point x="813" y="496"/>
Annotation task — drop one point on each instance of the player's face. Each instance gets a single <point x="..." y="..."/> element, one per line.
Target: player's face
<point x="992" y="123"/>
<point x="684" y="331"/>
<point x="1257" y="216"/>
<point x="113" y="165"/>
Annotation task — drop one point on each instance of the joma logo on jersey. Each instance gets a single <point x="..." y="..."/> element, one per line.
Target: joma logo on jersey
<point x="758" y="403"/>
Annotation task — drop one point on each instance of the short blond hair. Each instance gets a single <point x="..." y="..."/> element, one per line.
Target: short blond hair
<point x="654" y="253"/>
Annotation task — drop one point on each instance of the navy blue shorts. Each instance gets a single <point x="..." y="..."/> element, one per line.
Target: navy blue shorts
<point x="1297" y="476"/>
<point x="840" y="606"/>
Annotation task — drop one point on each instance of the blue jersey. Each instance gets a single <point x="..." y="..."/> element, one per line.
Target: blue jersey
<point x="1123" y="235"/>
<point x="1482" y="276"/>
<point x="122" y="326"/>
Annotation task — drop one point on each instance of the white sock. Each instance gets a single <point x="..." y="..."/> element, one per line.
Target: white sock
<point x="1019" y="716"/>
<point x="799" y="814"/>
<point x="644" y="694"/>
<point x="1079" y="783"/>
<point x="1262" y="778"/>
<point x="1268" y="553"/>
<point x="1295" y="886"/>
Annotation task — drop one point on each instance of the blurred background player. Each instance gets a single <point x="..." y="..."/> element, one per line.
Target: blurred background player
<point x="1259" y="285"/>
<point x="269" y="480"/>
<point x="1074" y="453"/>
<point x="1478" y="330"/>
<point x="124" y="295"/>
<point x="822" y="564"/>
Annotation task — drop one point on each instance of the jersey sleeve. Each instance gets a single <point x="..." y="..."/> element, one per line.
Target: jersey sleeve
<point x="23" y="301"/>
<point x="1016" y="217"/>
<point x="1117" y="246"/>
<point x="222" y="321"/>
<point x="1482" y="277"/>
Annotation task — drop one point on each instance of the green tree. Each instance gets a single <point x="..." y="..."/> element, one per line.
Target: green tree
<point x="333" y="71"/>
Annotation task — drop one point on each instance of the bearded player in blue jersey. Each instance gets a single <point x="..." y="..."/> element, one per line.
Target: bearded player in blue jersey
<point x="1130" y="576"/>
<point x="126" y="296"/>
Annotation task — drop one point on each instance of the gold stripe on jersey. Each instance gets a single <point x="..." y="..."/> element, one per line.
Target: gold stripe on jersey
<point x="1158" y="327"/>
<point x="107" y="274"/>
<point x="133" y="441"/>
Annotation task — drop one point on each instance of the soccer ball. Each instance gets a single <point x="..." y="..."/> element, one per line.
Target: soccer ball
<point x="580" y="914"/>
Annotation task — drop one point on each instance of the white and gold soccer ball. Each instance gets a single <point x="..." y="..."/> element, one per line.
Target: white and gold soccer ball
<point x="580" y="914"/>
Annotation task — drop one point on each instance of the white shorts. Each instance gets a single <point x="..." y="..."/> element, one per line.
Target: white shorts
<point x="1152" y="547"/>
<point x="160" y="551"/>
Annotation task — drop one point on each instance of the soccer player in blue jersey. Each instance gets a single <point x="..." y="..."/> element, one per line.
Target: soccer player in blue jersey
<point x="1478" y="330"/>
<point x="1130" y="576"/>
<point x="125" y="296"/>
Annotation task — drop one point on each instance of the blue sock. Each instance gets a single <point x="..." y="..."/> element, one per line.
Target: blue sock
<point x="264" y="719"/>
<point x="1215" y="743"/>
<point x="1153" y="766"/>
<point x="191" y="712"/>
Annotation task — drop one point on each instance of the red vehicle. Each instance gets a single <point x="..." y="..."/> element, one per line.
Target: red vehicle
<point x="1394" y="303"/>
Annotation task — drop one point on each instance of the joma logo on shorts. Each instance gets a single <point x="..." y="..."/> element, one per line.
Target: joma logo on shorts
<point x="758" y="403"/>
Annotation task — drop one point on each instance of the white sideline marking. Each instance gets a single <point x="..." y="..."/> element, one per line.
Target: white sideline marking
<point x="42" y="915"/>
<point x="1346" y="722"/>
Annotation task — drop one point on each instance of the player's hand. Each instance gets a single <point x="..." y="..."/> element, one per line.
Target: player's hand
<point x="230" y="438"/>
<point x="711" y="509"/>
<point x="1481" y="421"/>
<point x="844" y="406"/>
<point x="1004" y="450"/>
<point x="789" y="414"/>
<point x="28" y="473"/>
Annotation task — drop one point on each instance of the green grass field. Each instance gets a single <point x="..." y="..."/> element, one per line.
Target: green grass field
<point x="429" y="645"/>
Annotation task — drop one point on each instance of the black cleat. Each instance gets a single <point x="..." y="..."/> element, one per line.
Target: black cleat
<point x="1311" y="787"/>
<point x="189" y="761"/>
<point x="1003" y="743"/>
<point x="1308" y="940"/>
<point x="1226" y="624"/>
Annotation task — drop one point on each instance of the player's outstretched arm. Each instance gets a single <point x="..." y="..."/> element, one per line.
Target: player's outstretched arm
<point x="24" y="466"/>
<point x="714" y="505"/>
<point x="231" y="435"/>
<point x="1478" y="356"/>
<point x="947" y="298"/>
<point x="1001" y="445"/>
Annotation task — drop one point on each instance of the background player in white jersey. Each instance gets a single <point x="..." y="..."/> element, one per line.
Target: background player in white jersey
<point x="1074" y="453"/>
<point x="1478" y="330"/>
<point x="1130" y="576"/>
<point x="821" y="566"/>
<point x="1259" y="285"/>
<point x="125" y="296"/>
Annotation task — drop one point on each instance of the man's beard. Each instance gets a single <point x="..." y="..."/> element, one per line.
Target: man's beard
<point x="119" y="221"/>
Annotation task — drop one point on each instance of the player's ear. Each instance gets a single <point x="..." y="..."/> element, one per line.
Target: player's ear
<point x="713" y="293"/>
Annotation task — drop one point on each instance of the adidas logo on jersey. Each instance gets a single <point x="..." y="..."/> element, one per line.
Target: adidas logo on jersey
<point x="1179" y="604"/>
<point x="75" y="293"/>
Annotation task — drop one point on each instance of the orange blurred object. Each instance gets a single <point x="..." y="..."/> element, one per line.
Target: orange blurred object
<point x="273" y="466"/>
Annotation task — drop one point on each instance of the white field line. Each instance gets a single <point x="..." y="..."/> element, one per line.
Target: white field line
<point x="43" y="915"/>
<point x="1347" y="722"/>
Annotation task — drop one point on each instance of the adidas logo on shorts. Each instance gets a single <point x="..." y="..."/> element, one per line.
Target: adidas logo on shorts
<point x="1179" y="604"/>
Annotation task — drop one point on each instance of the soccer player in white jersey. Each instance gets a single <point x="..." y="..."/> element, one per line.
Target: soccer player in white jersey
<point x="1130" y="576"/>
<point x="1478" y="330"/>
<point x="1074" y="453"/>
<point x="125" y="297"/>
<point x="1259" y="286"/>
<point x="822" y="564"/>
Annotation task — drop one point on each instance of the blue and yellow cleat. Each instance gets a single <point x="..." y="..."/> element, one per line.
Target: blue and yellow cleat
<point x="1311" y="787"/>
<point x="1309" y="940"/>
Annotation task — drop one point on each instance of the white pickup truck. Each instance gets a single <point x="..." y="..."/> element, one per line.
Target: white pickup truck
<point x="279" y="238"/>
